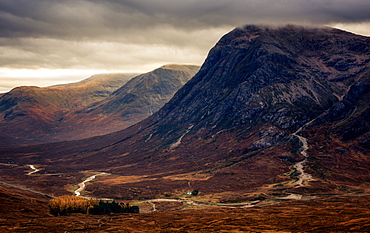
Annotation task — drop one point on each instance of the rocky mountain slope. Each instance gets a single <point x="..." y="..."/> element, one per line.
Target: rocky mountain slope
<point x="95" y="106"/>
<point x="272" y="112"/>
<point x="136" y="100"/>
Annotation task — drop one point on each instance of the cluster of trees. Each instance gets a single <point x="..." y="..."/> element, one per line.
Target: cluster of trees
<point x="195" y="192"/>
<point x="113" y="207"/>
<point x="73" y="204"/>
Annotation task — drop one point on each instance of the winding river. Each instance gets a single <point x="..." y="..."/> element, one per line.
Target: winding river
<point x="82" y="185"/>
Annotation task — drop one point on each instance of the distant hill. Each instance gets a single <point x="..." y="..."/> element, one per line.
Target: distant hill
<point x="136" y="100"/>
<point x="28" y="113"/>
<point x="32" y="115"/>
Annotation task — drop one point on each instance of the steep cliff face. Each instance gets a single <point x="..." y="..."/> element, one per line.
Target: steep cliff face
<point x="266" y="103"/>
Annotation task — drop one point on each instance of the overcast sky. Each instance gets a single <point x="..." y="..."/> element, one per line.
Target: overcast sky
<point x="44" y="42"/>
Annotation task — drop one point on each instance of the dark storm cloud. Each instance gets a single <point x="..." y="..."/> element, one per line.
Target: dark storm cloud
<point x="124" y="34"/>
<point x="81" y="19"/>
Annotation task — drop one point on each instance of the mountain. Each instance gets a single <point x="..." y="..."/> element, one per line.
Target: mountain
<point x="98" y="105"/>
<point x="28" y="113"/>
<point x="271" y="113"/>
<point x="136" y="100"/>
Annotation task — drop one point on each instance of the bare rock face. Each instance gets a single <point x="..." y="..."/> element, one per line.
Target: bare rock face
<point x="279" y="76"/>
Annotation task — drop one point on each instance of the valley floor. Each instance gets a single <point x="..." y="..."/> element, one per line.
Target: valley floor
<point x="24" y="212"/>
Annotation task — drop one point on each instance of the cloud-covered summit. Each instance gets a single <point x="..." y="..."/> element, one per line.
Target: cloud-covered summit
<point x="116" y="19"/>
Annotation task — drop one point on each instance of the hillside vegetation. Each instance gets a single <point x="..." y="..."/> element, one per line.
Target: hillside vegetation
<point x="72" y="204"/>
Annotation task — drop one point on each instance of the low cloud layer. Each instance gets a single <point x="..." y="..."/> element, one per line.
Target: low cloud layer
<point x="137" y="35"/>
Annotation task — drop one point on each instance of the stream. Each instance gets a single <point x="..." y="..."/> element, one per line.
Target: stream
<point x="82" y="185"/>
<point x="303" y="177"/>
<point x="34" y="170"/>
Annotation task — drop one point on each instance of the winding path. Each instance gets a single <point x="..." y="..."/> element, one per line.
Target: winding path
<point x="199" y="203"/>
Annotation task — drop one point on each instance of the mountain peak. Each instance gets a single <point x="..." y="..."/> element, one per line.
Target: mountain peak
<point x="178" y="67"/>
<point x="285" y="76"/>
